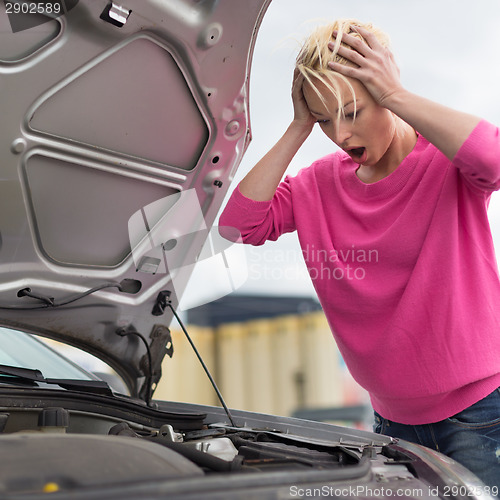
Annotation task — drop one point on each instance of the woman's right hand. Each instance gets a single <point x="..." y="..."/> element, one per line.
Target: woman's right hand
<point x="301" y="114"/>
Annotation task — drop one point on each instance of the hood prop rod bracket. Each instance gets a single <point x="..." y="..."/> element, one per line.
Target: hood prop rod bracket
<point x="149" y="376"/>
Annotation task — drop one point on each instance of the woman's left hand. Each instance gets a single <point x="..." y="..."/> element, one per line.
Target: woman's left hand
<point x="375" y="66"/>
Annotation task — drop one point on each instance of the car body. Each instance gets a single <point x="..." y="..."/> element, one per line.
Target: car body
<point x="122" y="127"/>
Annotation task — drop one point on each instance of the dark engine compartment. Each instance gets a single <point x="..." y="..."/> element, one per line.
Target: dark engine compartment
<point x="90" y="446"/>
<point x="66" y="441"/>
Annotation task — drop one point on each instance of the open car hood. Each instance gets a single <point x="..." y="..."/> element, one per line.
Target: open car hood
<point x="121" y="127"/>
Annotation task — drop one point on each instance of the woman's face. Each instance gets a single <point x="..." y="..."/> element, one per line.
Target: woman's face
<point x="366" y="139"/>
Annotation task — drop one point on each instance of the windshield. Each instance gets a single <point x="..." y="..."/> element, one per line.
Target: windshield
<point x="25" y="351"/>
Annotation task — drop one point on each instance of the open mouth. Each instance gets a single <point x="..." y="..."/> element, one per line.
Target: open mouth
<point x="357" y="154"/>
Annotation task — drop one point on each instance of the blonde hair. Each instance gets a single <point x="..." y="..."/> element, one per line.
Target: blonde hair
<point x="312" y="60"/>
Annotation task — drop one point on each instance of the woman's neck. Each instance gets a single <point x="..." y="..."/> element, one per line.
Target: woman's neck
<point x="403" y="143"/>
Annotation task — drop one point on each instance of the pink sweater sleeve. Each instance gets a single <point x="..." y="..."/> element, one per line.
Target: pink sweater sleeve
<point x="479" y="157"/>
<point x="255" y="222"/>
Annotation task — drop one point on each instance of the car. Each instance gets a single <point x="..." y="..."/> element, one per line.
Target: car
<point x="123" y="124"/>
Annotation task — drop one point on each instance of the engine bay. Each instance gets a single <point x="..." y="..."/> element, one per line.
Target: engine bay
<point x="68" y="442"/>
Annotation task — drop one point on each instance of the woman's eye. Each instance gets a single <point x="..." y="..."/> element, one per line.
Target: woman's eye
<point x="322" y="122"/>
<point x="351" y="116"/>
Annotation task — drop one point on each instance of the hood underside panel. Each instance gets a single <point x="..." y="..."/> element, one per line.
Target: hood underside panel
<point x="122" y="126"/>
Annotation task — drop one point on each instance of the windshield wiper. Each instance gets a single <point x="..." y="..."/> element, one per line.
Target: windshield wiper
<point x="33" y="375"/>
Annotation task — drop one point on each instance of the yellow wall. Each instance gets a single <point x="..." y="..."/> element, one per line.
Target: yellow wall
<point x="267" y="365"/>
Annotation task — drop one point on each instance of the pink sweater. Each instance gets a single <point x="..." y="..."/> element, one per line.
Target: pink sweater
<point x="404" y="268"/>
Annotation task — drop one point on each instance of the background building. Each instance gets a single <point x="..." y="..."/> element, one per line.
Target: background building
<point x="267" y="354"/>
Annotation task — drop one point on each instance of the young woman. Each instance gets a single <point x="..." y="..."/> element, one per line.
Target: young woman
<point x="394" y="231"/>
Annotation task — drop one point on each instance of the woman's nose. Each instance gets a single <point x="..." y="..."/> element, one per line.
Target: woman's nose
<point x="342" y="133"/>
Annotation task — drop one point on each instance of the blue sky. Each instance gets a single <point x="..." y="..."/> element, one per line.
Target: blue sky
<point x="447" y="50"/>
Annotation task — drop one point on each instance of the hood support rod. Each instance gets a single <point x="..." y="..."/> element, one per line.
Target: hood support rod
<point x="163" y="300"/>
